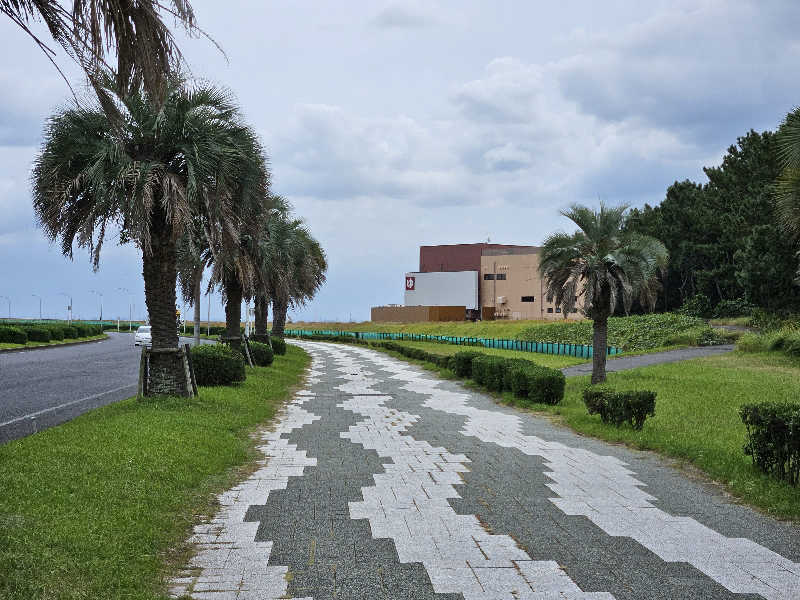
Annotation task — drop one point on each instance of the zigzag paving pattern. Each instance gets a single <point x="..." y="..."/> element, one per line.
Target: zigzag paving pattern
<point x="383" y="481"/>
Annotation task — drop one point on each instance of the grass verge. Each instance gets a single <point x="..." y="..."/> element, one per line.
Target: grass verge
<point x="6" y="346"/>
<point x="100" y="507"/>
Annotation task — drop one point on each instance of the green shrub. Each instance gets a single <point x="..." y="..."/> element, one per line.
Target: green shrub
<point x="261" y="354"/>
<point x="70" y="333"/>
<point x="217" y="364"/>
<point x="480" y="368"/>
<point x="616" y="408"/>
<point x="738" y="307"/>
<point x="56" y="331"/>
<point x="545" y="385"/>
<point x="12" y="335"/>
<point x="278" y="345"/>
<point x="752" y="342"/>
<point x="37" y="334"/>
<point x="509" y="366"/>
<point x="462" y="363"/>
<point x="773" y="431"/>
<point x="518" y="381"/>
<point x="697" y="306"/>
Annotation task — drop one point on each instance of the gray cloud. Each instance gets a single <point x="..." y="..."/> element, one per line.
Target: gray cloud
<point x="403" y="16"/>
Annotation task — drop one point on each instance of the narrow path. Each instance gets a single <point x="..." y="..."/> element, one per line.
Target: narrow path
<point x="382" y="481"/>
<point x="645" y="360"/>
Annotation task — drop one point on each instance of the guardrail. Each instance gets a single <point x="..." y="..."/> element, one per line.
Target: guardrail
<point x="577" y="350"/>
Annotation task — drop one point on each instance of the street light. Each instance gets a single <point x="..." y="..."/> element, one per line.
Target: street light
<point x="100" y="294"/>
<point x="70" y="305"/>
<point x="40" y="305"/>
<point x="130" y="306"/>
<point x="7" y="299"/>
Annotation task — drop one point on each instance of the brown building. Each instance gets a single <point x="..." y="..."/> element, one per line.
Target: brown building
<point x="510" y="283"/>
<point x="455" y="257"/>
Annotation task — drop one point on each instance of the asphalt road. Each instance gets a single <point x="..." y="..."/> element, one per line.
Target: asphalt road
<point x="44" y="387"/>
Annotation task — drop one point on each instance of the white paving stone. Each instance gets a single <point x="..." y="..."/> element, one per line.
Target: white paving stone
<point x="230" y="564"/>
<point x="605" y="491"/>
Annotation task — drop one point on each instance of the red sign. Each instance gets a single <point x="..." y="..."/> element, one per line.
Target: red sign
<point x="410" y="282"/>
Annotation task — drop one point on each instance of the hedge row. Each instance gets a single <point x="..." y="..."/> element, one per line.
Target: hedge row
<point x="21" y="333"/>
<point x="219" y="364"/>
<point x="616" y="408"/>
<point x="773" y="431"/>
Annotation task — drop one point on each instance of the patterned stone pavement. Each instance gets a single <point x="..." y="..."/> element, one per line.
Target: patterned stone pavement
<point x="382" y="481"/>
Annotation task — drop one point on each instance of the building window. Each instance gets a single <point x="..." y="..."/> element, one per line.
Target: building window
<point x="550" y="309"/>
<point x="528" y="299"/>
<point x="488" y="276"/>
<point x="501" y="276"/>
<point x="558" y="309"/>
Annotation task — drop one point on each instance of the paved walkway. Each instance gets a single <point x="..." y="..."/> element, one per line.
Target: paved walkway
<point x="645" y="360"/>
<point x="382" y="481"/>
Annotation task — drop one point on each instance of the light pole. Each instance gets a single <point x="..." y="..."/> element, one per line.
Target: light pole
<point x="100" y="295"/>
<point x="40" y="305"/>
<point x="70" y="305"/>
<point x="130" y="306"/>
<point x="7" y="299"/>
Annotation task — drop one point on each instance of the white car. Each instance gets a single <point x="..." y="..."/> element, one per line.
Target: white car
<point x="142" y="337"/>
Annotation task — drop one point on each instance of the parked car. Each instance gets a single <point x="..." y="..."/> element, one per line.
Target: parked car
<point x="142" y="337"/>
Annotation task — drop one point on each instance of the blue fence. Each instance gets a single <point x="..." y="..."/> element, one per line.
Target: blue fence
<point x="578" y="350"/>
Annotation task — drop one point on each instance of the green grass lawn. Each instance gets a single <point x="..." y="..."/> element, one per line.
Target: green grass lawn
<point x="546" y="360"/>
<point x="7" y="346"/>
<point x="100" y="507"/>
<point x="697" y="418"/>
<point x="488" y="329"/>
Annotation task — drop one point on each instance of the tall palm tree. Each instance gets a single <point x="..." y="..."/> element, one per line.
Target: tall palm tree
<point x="152" y="175"/>
<point x="131" y="30"/>
<point x="605" y="265"/>
<point x="787" y="187"/>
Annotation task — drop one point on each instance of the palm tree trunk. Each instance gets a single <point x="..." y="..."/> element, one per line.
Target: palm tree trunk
<point x="233" y="312"/>
<point x="198" y="282"/>
<point x="166" y="372"/>
<point x="599" y="348"/>
<point x="261" y="307"/>
<point x="279" y="308"/>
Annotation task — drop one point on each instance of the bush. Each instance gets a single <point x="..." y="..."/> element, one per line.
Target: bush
<point x="462" y="363"/>
<point x="697" y="306"/>
<point x="56" y="331"/>
<point x="217" y="364"/>
<point x="261" y="354"/>
<point x="70" y="333"/>
<point x="37" y="334"/>
<point x="12" y="335"/>
<point x="545" y="385"/>
<point x="733" y="308"/>
<point x="773" y="431"/>
<point x="616" y="408"/>
<point x="278" y="345"/>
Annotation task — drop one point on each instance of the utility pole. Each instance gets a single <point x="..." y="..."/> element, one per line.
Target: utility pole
<point x="40" y="305"/>
<point x="7" y="299"/>
<point x="69" y="308"/>
<point x="100" y="295"/>
<point x="130" y="310"/>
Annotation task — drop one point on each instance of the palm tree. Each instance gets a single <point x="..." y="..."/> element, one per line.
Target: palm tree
<point x="787" y="187"/>
<point x="131" y="30"/>
<point x="152" y="175"/>
<point x="604" y="264"/>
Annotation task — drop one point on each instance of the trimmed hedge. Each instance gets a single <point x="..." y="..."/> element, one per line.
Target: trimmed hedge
<point x="56" y="332"/>
<point x="37" y="334"/>
<point x="70" y="333"/>
<point x="616" y="408"/>
<point x="773" y="431"/>
<point x="545" y="385"/>
<point x="217" y="364"/>
<point x="462" y="363"/>
<point x="261" y="354"/>
<point x="12" y="335"/>
<point x="278" y="345"/>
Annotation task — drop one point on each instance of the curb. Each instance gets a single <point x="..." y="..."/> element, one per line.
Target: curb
<point x="49" y="346"/>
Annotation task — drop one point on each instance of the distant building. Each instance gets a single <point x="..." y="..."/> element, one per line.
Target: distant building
<point x="485" y="281"/>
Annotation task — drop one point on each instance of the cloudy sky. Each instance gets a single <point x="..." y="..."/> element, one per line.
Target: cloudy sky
<point x="395" y="124"/>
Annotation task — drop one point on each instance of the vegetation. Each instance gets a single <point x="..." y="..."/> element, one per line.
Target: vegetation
<point x="217" y="364"/>
<point x="604" y="264"/>
<point x="724" y="237"/>
<point x="636" y="333"/>
<point x="616" y="408"/>
<point x="262" y="354"/>
<point x="278" y="345"/>
<point x="132" y="32"/>
<point x="773" y="432"/>
<point x="787" y="189"/>
<point x="92" y="508"/>
<point x="785" y="340"/>
<point x="142" y="170"/>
